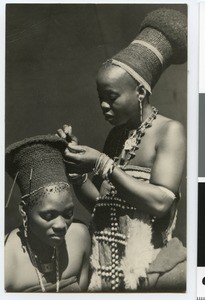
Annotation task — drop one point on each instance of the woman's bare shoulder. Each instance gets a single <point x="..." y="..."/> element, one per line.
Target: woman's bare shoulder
<point x="12" y="239"/>
<point x="168" y="128"/>
<point x="79" y="231"/>
<point x="80" y="227"/>
<point x="13" y="254"/>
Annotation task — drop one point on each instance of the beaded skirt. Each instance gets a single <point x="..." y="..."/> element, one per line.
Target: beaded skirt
<point x="125" y="241"/>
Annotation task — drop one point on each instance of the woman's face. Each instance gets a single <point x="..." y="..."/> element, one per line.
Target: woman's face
<point x="117" y="92"/>
<point x="51" y="216"/>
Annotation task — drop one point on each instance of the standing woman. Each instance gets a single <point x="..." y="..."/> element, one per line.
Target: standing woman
<point x="136" y="187"/>
<point x="48" y="252"/>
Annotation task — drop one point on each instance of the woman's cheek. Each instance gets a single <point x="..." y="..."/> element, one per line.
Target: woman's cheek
<point x="39" y="225"/>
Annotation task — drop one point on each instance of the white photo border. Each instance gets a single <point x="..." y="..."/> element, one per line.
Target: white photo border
<point x="192" y="161"/>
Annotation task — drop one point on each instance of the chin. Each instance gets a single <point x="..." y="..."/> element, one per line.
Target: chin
<point x="114" y="122"/>
<point x="56" y="241"/>
<point x="119" y="123"/>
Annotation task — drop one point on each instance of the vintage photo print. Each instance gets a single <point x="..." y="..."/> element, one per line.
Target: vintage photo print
<point x="95" y="148"/>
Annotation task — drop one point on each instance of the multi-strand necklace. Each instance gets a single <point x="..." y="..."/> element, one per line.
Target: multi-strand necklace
<point x="45" y="267"/>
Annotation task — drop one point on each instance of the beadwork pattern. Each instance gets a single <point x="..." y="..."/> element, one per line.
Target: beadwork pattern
<point x="113" y="208"/>
<point x="112" y="231"/>
<point x="30" y="201"/>
<point x="112" y="236"/>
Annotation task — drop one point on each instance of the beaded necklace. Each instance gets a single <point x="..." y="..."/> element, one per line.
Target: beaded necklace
<point x="117" y="241"/>
<point x="45" y="267"/>
<point x="133" y="141"/>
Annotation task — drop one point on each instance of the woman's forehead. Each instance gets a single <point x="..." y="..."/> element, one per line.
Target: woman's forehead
<point x="111" y="72"/>
<point x="55" y="204"/>
<point x="57" y="196"/>
<point x="52" y="195"/>
<point x="113" y="75"/>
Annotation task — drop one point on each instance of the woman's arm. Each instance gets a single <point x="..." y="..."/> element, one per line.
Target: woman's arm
<point x="166" y="172"/>
<point x="85" y="242"/>
<point x="86" y="194"/>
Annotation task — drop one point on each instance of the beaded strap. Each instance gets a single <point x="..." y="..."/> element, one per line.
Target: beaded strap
<point x="112" y="237"/>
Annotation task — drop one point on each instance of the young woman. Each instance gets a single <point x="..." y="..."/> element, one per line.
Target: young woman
<point x="138" y="175"/>
<point x="48" y="252"/>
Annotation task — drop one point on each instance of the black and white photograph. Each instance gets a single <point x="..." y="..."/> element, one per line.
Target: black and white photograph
<point x="96" y="148"/>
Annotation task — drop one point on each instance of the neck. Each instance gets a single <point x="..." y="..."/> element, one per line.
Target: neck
<point x="42" y="250"/>
<point x="136" y="122"/>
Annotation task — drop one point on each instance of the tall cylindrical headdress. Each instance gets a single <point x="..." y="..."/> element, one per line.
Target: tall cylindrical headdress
<point x="162" y="40"/>
<point x="38" y="161"/>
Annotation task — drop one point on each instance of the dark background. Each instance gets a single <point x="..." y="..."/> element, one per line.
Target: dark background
<point x="53" y="52"/>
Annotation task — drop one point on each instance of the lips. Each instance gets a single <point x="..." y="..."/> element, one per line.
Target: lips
<point x="57" y="236"/>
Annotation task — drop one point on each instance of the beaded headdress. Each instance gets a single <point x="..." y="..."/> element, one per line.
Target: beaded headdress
<point x="162" y="40"/>
<point x="35" y="162"/>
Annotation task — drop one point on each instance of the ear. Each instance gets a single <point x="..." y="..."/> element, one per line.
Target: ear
<point x="141" y="91"/>
<point x="21" y="210"/>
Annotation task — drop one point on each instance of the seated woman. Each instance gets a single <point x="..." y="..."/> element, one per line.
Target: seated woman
<point x="48" y="252"/>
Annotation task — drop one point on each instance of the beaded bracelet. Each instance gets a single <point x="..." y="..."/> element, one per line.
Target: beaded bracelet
<point x="104" y="166"/>
<point x="78" y="179"/>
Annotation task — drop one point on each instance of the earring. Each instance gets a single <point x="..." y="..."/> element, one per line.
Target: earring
<point x="140" y="99"/>
<point x="25" y="226"/>
<point x="24" y="219"/>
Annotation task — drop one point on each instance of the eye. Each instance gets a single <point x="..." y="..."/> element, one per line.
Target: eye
<point x="48" y="216"/>
<point x="113" y="97"/>
<point x="68" y="214"/>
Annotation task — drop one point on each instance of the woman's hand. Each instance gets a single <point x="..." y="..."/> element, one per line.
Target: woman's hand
<point x="82" y="157"/>
<point x="66" y="134"/>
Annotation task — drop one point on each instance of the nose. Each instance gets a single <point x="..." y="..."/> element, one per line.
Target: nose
<point x="60" y="225"/>
<point x="105" y="105"/>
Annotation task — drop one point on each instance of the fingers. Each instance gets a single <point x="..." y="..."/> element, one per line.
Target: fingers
<point x="74" y="139"/>
<point x="76" y="148"/>
<point x="61" y="133"/>
<point x="67" y="129"/>
<point x="66" y="133"/>
<point x="74" y="157"/>
<point x="74" y="152"/>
